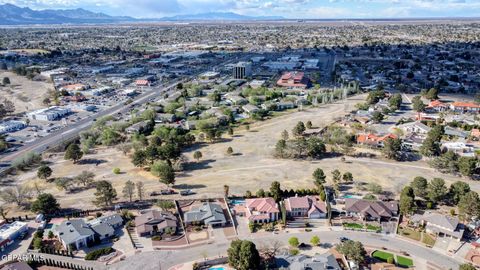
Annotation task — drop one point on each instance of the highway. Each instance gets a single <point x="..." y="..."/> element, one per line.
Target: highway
<point x="73" y="130"/>
<point x="42" y="144"/>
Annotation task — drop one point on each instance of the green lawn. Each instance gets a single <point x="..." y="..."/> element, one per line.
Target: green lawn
<point x="382" y="255"/>
<point x="404" y="262"/>
<point x="427" y="239"/>
<point x="412" y="234"/>
<point x="353" y="225"/>
<point x="374" y="228"/>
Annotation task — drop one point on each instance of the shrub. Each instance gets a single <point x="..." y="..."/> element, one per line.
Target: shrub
<point x="294" y="251"/>
<point x="390" y="260"/>
<point x="156" y="238"/>
<point x="116" y="170"/>
<point x="37" y="243"/>
<point x="94" y="255"/>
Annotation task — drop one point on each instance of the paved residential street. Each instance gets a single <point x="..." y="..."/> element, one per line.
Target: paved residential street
<point x="166" y="259"/>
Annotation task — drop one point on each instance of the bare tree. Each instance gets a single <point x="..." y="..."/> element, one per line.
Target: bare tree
<point x="17" y="195"/>
<point x="129" y="190"/>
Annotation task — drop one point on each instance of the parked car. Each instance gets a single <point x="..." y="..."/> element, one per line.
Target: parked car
<point x="186" y="192"/>
<point x="154" y="193"/>
<point x="167" y="191"/>
<point x="343" y="239"/>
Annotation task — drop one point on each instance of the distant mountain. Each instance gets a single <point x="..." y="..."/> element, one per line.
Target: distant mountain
<point x="14" y="15"/>
<point x="219" y="16"/>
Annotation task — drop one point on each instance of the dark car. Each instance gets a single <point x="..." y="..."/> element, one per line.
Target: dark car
<point x="186" y="192"/>
<point x="167" y="191"/>
<point x="154" y="193"/>
<point x="343" y="239"/>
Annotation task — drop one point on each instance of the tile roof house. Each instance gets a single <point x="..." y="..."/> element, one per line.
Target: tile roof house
<point x="415" y="127"/>
<point x="261" y="210"/>
<point x="371" y="210"/>
<point x="154" y="221"/>
<point x="207" y="213"/>
<point x="465" y="107"/>
<point x="305" y="207"/>
<point x="437" y="105"/>
<point x="440" y="225"/>
<point x="374" y="140"/>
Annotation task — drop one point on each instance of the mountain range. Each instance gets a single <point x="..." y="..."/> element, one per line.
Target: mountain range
<point x="13" y="15"/>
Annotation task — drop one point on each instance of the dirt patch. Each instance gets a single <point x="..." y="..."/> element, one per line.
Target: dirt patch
<point x="27" y="95"/>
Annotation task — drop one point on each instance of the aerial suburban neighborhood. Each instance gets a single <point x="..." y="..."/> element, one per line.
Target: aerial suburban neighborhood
<point x="225" y="140"/>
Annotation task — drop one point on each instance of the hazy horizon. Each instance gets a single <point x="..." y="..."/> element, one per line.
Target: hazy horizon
<point x="289" y="9"/>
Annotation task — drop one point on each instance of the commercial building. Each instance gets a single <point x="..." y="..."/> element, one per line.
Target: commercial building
<point x="294" y="80"/>
<point x="49" y="114"/>
<point x="11" y="126"/>
<point x="11" y="231"/>
<point x="242" y="70"/>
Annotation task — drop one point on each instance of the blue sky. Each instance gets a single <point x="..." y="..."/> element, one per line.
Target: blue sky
<point x="305" y="9"/>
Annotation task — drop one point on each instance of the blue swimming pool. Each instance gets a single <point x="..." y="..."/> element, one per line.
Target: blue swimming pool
<point x="352" y="197"/>
<point x="217" y="268"/>
<point x="237" y="202"/>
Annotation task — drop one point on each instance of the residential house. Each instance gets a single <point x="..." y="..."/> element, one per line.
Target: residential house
<point x="371" y="210"/>
<point x="250" y="109"/>
<point x="75" y="233"/>
<point x="138" y="127"/>
<point x="16" y="266"/>
<point x="449" y="131"/>
<point x="461" y="148"/>
<point x="475" y="133"/>
<point x="303" y="262"/>
<point x="374" y="140"/>
<point x="165" y="117"/>
<point x="261" y="210"/>
<point x="437" y="106"/>
<point x="465" y="107"/>
<point x="78" y="234"/>
<point x="207" y="213"/>
<point x="307" y="206"/>
<point x="413" y="141"/>
<point x="439" y="224"/>
<point x="415" y="127"/>
<point x="154" y="221"/>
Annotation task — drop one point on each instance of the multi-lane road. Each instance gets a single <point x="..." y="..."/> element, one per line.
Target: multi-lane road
<point x="42" y="144"/>
<point x="73" y="130"/>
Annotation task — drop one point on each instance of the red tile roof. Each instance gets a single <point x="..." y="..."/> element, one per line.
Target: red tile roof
<point x="465" y="104"/>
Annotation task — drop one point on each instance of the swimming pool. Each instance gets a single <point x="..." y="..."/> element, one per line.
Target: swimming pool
<point x="217" y="268"/>
<point x="352" y="197"/>
<point x="237" y="202"/>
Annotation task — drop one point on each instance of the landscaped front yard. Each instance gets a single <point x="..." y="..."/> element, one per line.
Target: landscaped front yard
<point x="410" y="233"/>
<point x="399" y="260"/>
<point x="428" y="239"/>
<point x="382" y="255"/>
<point x="357" y="226"/>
